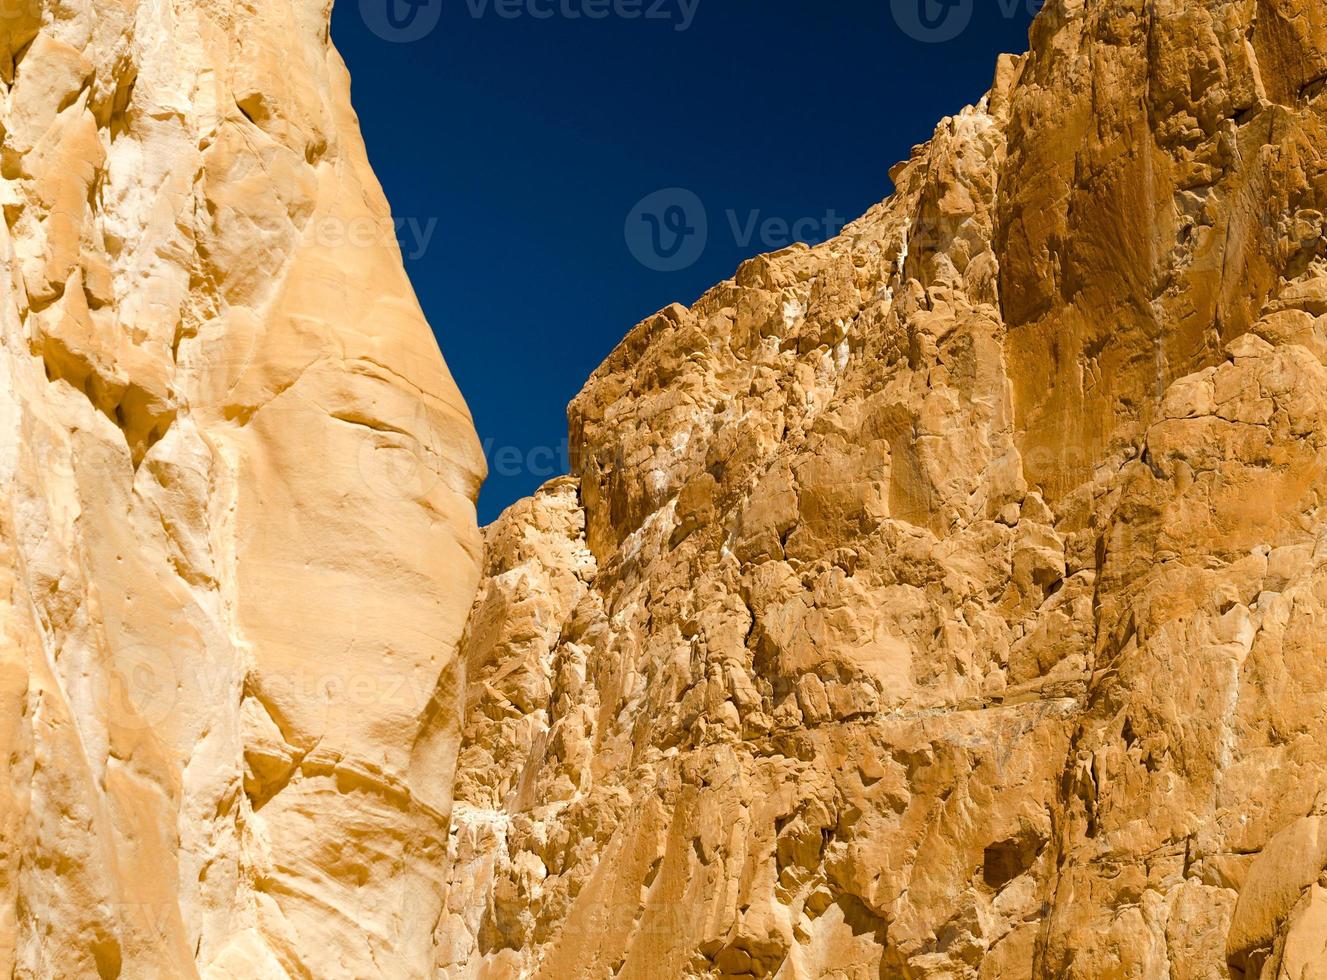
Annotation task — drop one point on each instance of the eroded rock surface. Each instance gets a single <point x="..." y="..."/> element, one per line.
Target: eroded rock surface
<point x="947" y="600"/>
<point x="237" y="534"/>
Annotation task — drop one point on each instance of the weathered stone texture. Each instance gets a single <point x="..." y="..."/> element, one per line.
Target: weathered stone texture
<point x="237" y="532"/>
<point x="947" y="600"/>
<point x="943" y="601"/>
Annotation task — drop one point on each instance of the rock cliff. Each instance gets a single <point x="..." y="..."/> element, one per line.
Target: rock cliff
<point x="237" y="532"/>
<point x="947" y="600"/>
<point x="944" y="601"/>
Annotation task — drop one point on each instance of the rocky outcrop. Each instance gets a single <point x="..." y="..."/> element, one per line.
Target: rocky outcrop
<point x="237" y="533"/>
<point x="942" y="601"/>
<point x="945" y="600"/>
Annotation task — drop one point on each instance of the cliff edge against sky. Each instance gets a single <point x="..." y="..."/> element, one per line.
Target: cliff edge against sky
<point x="947" y="600"/>
<point x="944" y="601"/>
<point x="237" y="536"/>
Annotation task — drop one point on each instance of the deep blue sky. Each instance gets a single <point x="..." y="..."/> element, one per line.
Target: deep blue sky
<point x="526" y="142"/>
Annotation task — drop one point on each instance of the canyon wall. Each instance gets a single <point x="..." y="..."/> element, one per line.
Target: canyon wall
<point x="947" y="600"/>
<point x="237" y="531"/>
<point x="943" y="601"/>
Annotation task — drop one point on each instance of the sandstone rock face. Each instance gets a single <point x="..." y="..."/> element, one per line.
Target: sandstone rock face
<point x="943" y="601"/>
<point x="947" y="600"/>
<point x="237" y="534"/>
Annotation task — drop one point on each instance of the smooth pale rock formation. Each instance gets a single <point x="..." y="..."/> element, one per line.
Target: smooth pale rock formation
<point x="237" y="533"/>
<point x="947" y="600"/>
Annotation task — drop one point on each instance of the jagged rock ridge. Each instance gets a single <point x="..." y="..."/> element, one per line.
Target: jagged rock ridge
<point x="946" y="600"/>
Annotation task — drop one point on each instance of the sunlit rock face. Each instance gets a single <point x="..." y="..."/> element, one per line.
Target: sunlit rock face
<point x="237" y="533"/>
<point x="947" y="600"/>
